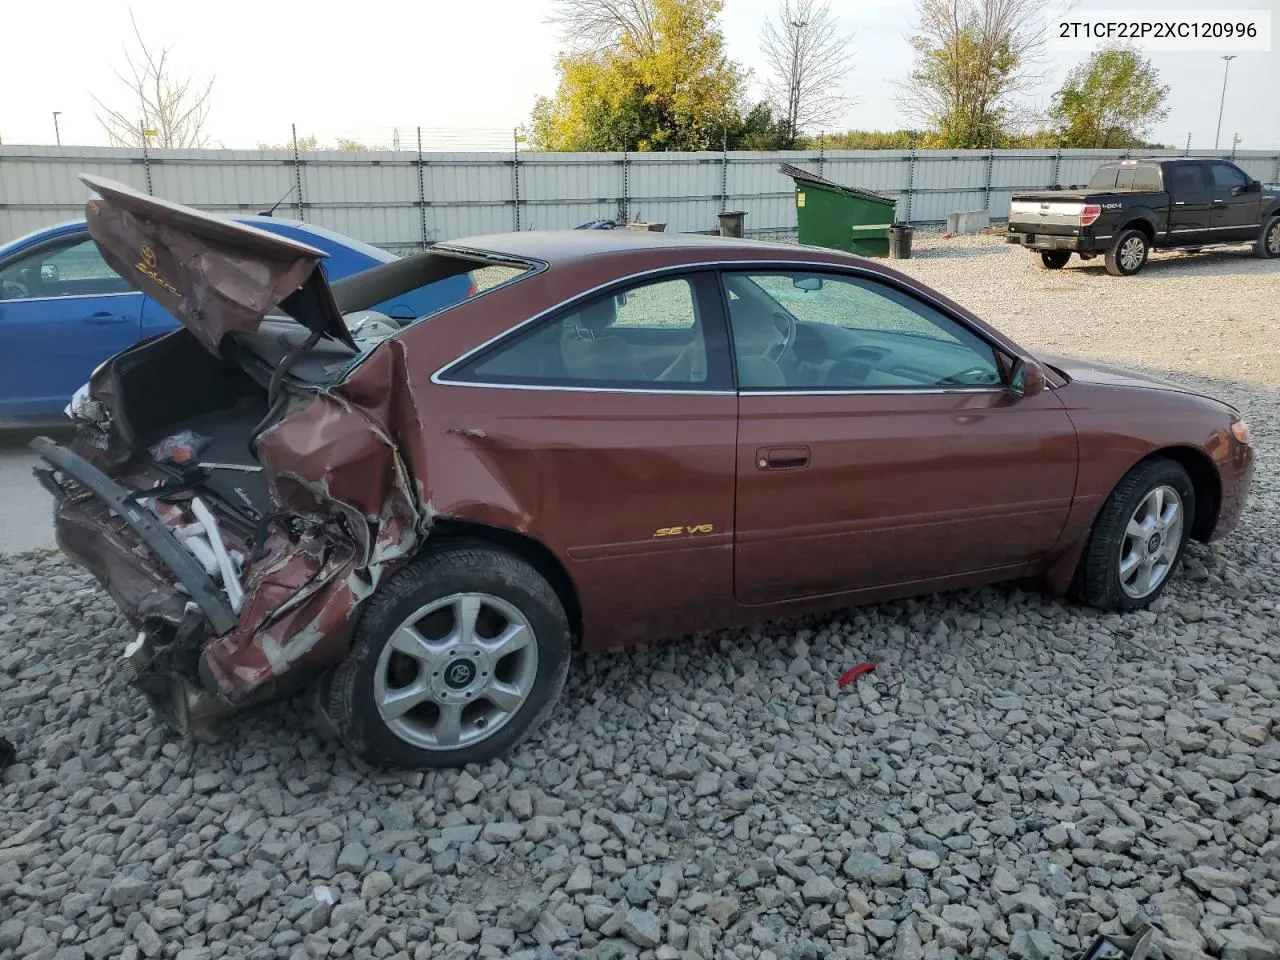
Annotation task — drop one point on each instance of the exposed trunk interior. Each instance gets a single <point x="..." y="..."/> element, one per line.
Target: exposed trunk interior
<point x="173" y="384"/>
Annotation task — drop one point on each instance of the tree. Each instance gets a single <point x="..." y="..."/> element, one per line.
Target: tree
<point x="674" y="89"/>
<point x="972" y="60"/>
<point x="761" y="129"/>
<point x="807" y="59"/>
<point x="162" y="109"/>
<point x="1110" y="100"/>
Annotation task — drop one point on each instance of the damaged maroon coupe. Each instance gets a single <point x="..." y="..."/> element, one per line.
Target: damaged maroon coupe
<point x="616" y="437"/>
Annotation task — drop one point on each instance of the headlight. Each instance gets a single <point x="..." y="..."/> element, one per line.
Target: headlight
<point x="1240" y="430"/>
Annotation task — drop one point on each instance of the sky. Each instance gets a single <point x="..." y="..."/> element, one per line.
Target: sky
<point x="467" y="73"/>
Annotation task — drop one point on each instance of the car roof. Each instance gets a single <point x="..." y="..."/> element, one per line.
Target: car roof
<point x="566" y="247"/>
<point x="262" y="222"/>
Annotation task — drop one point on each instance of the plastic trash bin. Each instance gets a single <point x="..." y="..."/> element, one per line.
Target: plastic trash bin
<point x="900" y="241"/>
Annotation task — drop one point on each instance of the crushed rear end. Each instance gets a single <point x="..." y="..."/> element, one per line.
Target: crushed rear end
<point x="236" y="514"/>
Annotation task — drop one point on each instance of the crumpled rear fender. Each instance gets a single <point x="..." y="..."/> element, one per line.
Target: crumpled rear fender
<point x="335" y="461"/>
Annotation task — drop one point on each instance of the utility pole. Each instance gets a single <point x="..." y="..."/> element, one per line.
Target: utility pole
<point x="57" y="135"/>
<point x="1227" y="58"/>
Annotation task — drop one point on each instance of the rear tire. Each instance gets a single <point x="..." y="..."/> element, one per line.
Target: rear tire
<point x="1138" y="537"/>
<point x="1054" y="259"/>
<point x="1268" y="244"/>
<point x="456" y="659"/>
<point x="1128" y="253"/>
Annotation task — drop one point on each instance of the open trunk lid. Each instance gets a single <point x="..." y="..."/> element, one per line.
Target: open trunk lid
<point x="214" y="275"/>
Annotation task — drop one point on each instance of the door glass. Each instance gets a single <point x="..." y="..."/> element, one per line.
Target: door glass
<point x="649" y="336"/>
<point x="800" y="331"/>
<point x="1188" y="182"/>
<point x="68" y="270"/>
<point x="1225" y="177"/>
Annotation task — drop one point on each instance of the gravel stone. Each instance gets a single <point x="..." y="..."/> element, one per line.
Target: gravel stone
<point x="819" y="889"/>
<point x="549" y="931"/>
<point x="353" y="858"/>
<point x="464" y="923"/>
<point x="642" y="928"/>
<point x="126" y="890"/>
<point x="376" y="884"/>
<point x="924" y="859"/>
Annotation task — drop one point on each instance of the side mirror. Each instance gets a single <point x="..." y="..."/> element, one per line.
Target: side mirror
<point x="1255" y="186"/>
<point x="48" y="271"/>
<point x="1027" y="378"/>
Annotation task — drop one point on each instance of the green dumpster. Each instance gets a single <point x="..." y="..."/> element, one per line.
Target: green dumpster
<point x="839" y="217"/>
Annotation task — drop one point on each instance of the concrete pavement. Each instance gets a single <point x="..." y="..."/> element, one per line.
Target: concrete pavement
<point x="25" y="506"/>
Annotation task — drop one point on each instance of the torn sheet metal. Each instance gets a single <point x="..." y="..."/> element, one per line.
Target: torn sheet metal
<point x="336" y="466"/>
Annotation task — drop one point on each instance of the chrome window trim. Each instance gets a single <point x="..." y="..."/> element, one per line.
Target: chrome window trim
<point x="677" y="391"/>
<point x="872" y="391"/>
<point x="440" y="376"/>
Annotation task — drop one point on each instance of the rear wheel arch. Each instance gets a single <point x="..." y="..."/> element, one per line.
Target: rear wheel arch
<point x="450" y="533"/>
<point x="1142" y="225"/>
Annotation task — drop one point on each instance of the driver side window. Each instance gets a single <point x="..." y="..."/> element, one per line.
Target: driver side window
<point x="67" y="269"/>
<point x="807" y="331"/>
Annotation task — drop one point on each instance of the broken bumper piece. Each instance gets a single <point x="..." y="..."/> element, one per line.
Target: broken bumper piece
<point x="132" y="582"/>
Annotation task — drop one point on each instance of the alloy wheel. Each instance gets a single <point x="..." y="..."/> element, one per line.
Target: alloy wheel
<point x="1131" y="253"/>
<point x="1151" y="542"/>
<point x="455" y="671"/>
<point x="1273" y="238"/>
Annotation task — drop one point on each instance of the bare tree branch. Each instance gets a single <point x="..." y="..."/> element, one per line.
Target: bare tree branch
<point x="807" y="59"/>
<point x="594" y="26"/>
<point x="162" y="109"/>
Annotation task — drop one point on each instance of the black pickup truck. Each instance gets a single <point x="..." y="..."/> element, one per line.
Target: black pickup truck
<point x="1131" y="206"/>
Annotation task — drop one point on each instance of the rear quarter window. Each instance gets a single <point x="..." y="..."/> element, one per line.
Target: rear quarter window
<point x="1104" y="179"/>
<point x="1142" y="176"/>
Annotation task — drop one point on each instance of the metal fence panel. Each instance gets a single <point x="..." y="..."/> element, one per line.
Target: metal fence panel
<point x="402" y="199"/>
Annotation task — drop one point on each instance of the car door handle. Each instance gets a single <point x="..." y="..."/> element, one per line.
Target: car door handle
<point x="104" y="316"/>
<point x="1219" y="201"/>
<point x="1179" y="203"/>
<point x="782" y="458"/>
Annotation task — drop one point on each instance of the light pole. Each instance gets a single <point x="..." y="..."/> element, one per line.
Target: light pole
<point x="56" y="134"/>
<point x="1228" y="58"/>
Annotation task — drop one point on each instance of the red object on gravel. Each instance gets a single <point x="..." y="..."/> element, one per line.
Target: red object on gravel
<point x="851" y="675"/>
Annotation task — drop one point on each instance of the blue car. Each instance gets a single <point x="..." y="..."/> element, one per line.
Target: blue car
<point x="63" y="310"/>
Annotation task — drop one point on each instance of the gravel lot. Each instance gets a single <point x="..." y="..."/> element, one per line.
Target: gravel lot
<point x="1016" y="775"/>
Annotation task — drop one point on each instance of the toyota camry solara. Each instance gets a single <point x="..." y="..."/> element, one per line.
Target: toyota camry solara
<point x="618" y="437"/>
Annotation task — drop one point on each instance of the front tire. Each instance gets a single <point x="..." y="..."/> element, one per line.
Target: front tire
<point x="1138" y="537"/>
<point x="456" y="659"/>
<point x="1128" y="253"/>
<point x="1054" y="259"/>
<point x="1268" y="244"/>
